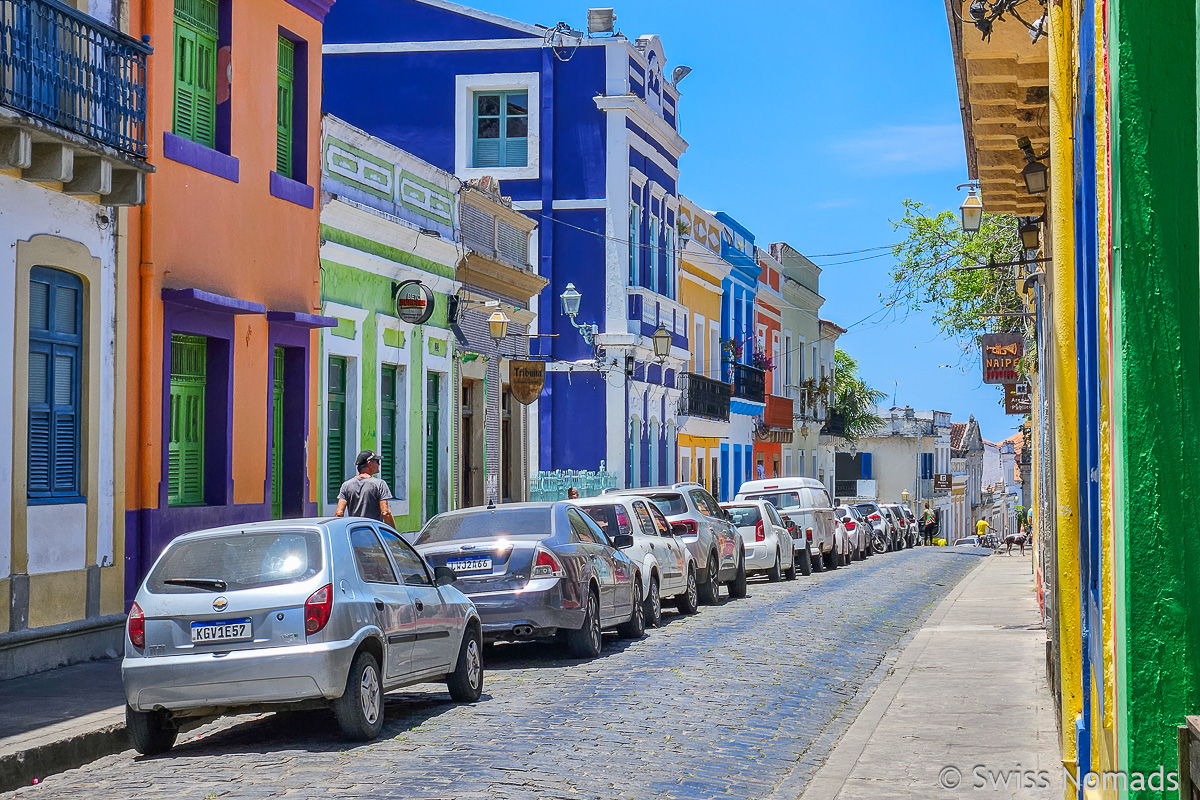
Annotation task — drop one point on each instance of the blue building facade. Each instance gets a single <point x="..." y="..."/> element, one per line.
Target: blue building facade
<point x="582" y="133"/>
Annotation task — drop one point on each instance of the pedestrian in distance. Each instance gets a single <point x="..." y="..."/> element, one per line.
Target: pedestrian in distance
<point x="928" y="521"/>
<point x="365" y="495"/>
<point x="981" y="529"/>
<point x="572" y="493"/>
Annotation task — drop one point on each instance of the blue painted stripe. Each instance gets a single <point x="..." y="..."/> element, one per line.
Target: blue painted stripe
<point x="650" y="140"/>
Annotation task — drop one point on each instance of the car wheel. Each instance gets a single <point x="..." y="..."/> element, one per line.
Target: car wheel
<point x="775" y="573"/>
<point x="466" y="682"/>
<point x="878" y="544"/>
<point x="710" y="592"/>
<point x="359" y="710"/>
<point x="737" y="586"/>
<point x="585" y="642"/>
<point x="635" y="628"/>
<point x="831" y="560"/>
<point x="689" y="601"/>
<point x="653" y="605"/>
<point x="150" y="731"/>
<point x="806" y="565"/>
<point x="790" y="572"/>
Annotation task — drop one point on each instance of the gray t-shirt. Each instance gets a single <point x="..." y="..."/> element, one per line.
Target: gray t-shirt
<point x="362" y="496"/>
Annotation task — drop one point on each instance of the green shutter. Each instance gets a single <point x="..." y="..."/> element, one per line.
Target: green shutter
<point x="277" y="435"/>
<point x="335" y="435"/>
<point x="501" y="129"/>
<point x="185" y="453"/>
<point x="387" y="425"/>
<point x="195" y="112"/>
<point x="432" y="445"/>
<point x="283" y="122"/>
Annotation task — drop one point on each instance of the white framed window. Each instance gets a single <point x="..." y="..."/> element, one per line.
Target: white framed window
<point x="669" y="251"/>
<point x="654" y="252"/>
<point x="497" y="128"/>
<point x="635" y="227"/>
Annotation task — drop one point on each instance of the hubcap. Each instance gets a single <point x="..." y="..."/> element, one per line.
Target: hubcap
<point x="594" y="608"/>
<point x="474" y="664"/>
<point x="655" y="600"/>
<point x="368" y="695"/>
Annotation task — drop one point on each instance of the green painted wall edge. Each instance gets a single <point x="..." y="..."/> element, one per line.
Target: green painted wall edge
<point x="365" y="245"/>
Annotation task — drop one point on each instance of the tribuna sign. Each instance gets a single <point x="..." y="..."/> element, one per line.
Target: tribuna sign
<point x="1001" y="357"/>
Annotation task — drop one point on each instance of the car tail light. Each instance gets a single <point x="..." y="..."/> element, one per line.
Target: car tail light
<point x="317" y="609"/>
<point x="760" y="535"/>
<point x="850" y="524"/>
<point x="808" y="534"/>
<point x="874" y="517"/>
<point x="546" y="565"/>
<point x="691" y="526"/>
<point x="137" y="626"/>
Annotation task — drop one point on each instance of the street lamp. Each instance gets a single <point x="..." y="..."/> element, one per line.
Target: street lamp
<point x="1035" y="175"/>
<point x="972" y="212"/>
<point x="498" y="325"/>
<point x="570" y="306"/>
<point x="1030" y="231"/>
<point x="662" y="344"/>
<point x="804" y="429"/>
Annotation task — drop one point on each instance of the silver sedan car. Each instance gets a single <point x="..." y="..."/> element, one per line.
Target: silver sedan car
<point x="536" y="570"/>
<point x="292" y="614"/>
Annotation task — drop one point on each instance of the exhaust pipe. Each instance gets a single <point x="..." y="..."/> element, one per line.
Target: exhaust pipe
<point x="523" y="630"/>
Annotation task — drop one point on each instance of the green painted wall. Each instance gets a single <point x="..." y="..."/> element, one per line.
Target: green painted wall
<point x="368" y="291"/>
<point x="1153" y="63"/>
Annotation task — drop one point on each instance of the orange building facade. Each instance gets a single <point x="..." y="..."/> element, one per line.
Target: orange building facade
<point x="775" y="427"/>
<point x="224" y="281"/>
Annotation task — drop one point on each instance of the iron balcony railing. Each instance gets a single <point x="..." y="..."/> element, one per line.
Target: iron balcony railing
<point x="749" y="383"/>
<point x="835" y="424"/>
<point x="845" y="488"/>
<point x="64" y="67"/>
<point x="703" y="397"/>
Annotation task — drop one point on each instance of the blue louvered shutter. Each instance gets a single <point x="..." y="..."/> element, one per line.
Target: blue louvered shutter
<point x="866" y="466"/>
<point x="500" y="137"/>
<point x="55" y="350"/>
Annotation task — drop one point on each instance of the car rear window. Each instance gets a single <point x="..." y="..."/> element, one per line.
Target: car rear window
<point x="241" y="560"/>
<point x="612" y="519"/>
<point x="671" y="504"/>
<point x="517" y="523"/>
<point x="744" y="516"/>
<point x="781" y="500"/>
<point x="866" y="508"/>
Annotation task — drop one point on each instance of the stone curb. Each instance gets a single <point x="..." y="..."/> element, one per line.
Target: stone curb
<point x="21" y="768"/>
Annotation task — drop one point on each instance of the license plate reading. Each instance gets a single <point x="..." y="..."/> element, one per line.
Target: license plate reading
<point x="226" y="630"/>
<point x="470" y="564"/>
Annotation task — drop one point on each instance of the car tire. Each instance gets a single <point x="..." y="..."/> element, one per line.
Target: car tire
<point x="359" y="711"/>
<point x="818" y="562"/>
<point x="737" y="586"/>
<point x="635" y="628"/>
<point x="151" y="732"/>
<point x="790" y="572"/>
<point x="806" y="565"/>
<point x="466" y="682"/>
<point x="586" y="642"/>
<point x="689" y="601"/>
<point x="710" y="592"/>
<point x="652" y="608"/>
<point x="878" y="544"/>
<point x="775" y="573"/>
<point x="831" y="560"/>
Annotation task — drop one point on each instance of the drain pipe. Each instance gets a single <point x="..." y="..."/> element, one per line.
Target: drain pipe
<point x="146" y="465"/>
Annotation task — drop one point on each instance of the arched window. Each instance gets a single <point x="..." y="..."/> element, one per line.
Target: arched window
<point x="672" y="452"/>
<point x="655" y="440"/>
<point x="635" y="452"/>
<point x="55" y="345"/>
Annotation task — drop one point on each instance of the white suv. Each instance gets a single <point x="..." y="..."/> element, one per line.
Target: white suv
<point x="806" y="502"/>
<point x="668" y="568"/>
<point x="769" y="546"/>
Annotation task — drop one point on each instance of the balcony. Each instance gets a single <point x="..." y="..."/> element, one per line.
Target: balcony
<point x="703" y="397"/>
<point x="72" y="101"/>
<point x="847" y="490"/>
<point x="779" y="412"/>
<point x="749" y="383"/>
<point x="835" y="424"/>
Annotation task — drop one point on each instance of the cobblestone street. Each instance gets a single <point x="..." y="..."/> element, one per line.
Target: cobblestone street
<point x="728" y="703"/>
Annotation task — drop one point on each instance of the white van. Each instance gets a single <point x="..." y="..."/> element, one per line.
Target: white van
<point x="807" y="502"/>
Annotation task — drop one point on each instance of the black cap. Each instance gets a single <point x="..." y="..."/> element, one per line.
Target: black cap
<point x="365" y="456"/>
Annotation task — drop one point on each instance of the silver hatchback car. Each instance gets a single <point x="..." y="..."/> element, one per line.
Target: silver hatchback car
<point x="292" y="614"/>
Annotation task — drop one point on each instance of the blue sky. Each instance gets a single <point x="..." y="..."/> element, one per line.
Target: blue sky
<point x="810" y="122"/>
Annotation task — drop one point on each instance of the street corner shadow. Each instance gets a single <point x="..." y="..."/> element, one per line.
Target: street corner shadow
<point x="550" y="653"/>
<point x="313" y="731"/>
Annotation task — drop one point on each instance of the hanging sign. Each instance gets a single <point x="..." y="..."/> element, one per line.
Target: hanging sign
<point x="1017" y="400"/>
<point x="1001" y="355"/>
<point x="526" y="379"/>
<point x="943" y="480"/>
<point x="414" y="302"/>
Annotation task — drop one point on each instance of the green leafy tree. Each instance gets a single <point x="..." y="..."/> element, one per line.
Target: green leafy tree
<point x="853" y="398"/>
<point x="925" y="275"/>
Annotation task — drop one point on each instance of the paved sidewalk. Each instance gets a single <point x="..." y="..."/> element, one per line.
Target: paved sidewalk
<point x="966" y="704"/>
<point x="60" y="719"/>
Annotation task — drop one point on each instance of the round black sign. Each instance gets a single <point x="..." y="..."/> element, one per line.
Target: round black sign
<point x="414" y="302"/>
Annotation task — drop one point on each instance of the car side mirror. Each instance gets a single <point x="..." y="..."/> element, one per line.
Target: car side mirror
<point x="444" y="576"/>
<point x="622" y="541"/>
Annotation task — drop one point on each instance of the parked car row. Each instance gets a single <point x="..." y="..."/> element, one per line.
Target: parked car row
<point x="334" y="613"/>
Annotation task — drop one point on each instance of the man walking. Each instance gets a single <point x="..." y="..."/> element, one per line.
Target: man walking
<point x="928" y="521"/>
<point x="364" y="495"/>
<point x="981" y="529"/>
